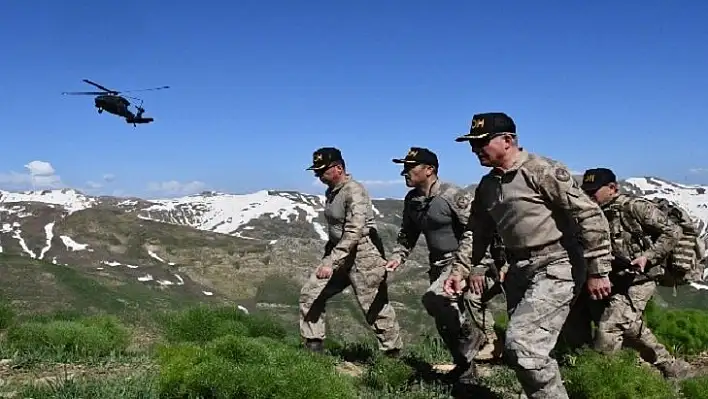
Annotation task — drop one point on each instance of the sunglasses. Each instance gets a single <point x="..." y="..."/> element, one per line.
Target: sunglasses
<point x="320" y="172"/>
<point x="410" y="166"/>
<point x="483" y="142"/>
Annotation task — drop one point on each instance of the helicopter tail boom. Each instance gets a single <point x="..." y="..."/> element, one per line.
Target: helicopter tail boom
<point x="139" y="120"/>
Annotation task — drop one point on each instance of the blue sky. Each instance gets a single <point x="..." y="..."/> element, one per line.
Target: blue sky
<point x="258" y="85"/>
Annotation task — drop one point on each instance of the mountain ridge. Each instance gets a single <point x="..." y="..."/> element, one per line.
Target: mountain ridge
<point x="253" y="249"/>
<point x="229" y="213"/>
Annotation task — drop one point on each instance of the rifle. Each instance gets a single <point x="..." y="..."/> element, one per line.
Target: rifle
<point x="625" y="275"/>
<point x="476" y="336"/>
<point x="623" y="267"/>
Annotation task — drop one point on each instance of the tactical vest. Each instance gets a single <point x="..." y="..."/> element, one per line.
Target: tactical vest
<point x="683" y="265"/>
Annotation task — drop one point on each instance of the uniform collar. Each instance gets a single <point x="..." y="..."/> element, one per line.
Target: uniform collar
<point x="521" y="157"/>
<point x="347" y="179"/>
<point x="618" y="200"/>
<point x="435" y="188"/>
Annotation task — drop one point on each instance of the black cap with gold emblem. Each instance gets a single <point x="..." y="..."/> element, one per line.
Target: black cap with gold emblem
<point x="419" y="155"/>
<point x="488" y="124"/>
<point x="324" y="157"/>
<point x="594" y="179"/>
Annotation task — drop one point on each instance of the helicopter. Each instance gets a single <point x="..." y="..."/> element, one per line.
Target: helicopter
<point x="111" y="102"/>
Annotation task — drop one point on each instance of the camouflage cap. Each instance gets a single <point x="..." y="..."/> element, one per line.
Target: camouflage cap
<point x="419" y="155"/>
<point x="324" y="157"/>
<point x="595" y="178"/>
<point x="488" y="124"/>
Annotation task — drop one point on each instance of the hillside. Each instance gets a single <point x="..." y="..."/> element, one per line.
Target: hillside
<point x="63" y="251"/>
<point x="254" y="249"/>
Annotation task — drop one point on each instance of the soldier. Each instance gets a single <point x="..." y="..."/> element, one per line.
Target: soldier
<point x="353" y="255"/>
<point x="440" y="211"/>
<point x="545" y="221"/>
<point x="621" y="319"/>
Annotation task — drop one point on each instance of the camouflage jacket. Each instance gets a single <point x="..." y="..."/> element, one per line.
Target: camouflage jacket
<point x="350" y="219"/>
<point x="534" y="203"/>
<point x="650" y="219"/>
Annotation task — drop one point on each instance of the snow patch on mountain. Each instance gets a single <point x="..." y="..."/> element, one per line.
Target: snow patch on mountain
<point x="18" y="210"/>
<point x="69" y="199"/>
<point x="72" y="245"/>
<point x="692" y="198"/>
<point x="226" y="213"/>
<point x="155" y="256"/>
<point x="49" y="231"/>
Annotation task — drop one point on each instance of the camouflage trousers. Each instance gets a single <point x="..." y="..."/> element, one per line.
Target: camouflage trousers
<point x="462" y="335"/>
<point x="367" y="276"/>
<point x="622" y="322"/>
<point x="540" y="292"/>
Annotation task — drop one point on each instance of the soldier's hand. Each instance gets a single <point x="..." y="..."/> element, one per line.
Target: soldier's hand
<point x="501" y="276"/>
<point x="452" y="284"/>
<point x="599" y="287"/>
<point x="640" y="262"/>
<point x="477" y="283"/>
<point x="392" y="265"/>
<point x="324" y="272"/>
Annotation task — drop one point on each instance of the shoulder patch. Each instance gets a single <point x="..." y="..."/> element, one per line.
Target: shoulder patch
<point x="562" y="174"/>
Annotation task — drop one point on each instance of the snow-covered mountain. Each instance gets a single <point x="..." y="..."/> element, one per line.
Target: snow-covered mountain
<point x="232" y="214"/>
<point x="249" y="215"/>
<point x="198" y="243"/>
<point x="212" y="246"/>
<point x="68" y="227"/>
<point x="692" y="198"/>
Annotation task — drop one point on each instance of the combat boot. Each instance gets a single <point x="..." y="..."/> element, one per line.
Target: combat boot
<point x="469" y="343"/>
<point x="492" y="349"/>
<point x="468" y="374"/>
<point x="676" y="370"/>
<point x="314" y="345"/>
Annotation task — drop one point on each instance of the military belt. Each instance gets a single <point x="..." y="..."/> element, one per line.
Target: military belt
<point x="370" y="236"/>
<point x="518" y="254"/>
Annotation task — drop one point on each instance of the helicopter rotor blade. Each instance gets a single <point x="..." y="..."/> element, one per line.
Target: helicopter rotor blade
<point x="93" y="93"/>
<point x="154" y="88"/>
<point x="100" y="87"/>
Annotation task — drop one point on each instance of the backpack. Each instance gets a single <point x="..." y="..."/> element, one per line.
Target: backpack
<point x="685" y="264"/>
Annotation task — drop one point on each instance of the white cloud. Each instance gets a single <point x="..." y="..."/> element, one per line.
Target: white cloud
<point x="174" y="187"/>
<point x="40" y="175"/>
<point x="698" y="170"/>
<point x="93" y="185"/>
<point x="40" y="168"/>
<point x="109" y="177"/>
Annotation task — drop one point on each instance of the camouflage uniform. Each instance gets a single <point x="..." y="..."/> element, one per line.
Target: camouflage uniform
<point x="621" y="321"/>
<point x="554" y="236"/>
<point x="441" y="217"/>
<point x="356" y="255"/>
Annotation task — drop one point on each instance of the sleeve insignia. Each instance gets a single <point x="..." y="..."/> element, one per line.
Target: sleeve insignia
<point x="562" y="174"/>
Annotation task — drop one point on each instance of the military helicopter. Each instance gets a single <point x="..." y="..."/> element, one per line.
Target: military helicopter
<point x="111" y="102"/>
